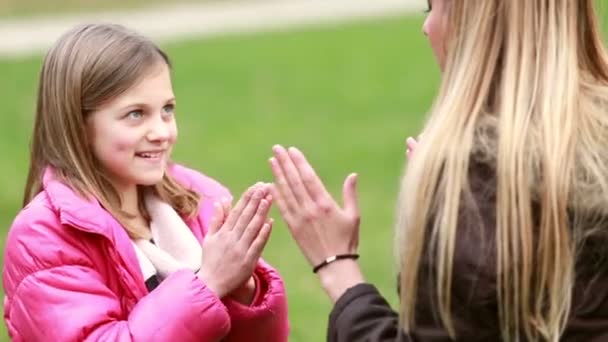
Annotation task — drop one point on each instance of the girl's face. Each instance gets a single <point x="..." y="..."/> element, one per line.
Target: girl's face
<point x="434" y="29"/>
<point x="133" y="134"/>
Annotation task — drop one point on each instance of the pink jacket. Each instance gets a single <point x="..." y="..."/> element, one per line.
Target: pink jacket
<point x="71" y="274"/>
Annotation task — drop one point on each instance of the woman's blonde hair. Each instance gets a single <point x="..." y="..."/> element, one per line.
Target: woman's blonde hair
<point x="524" y="85"/>
<point x="87" y="67"/>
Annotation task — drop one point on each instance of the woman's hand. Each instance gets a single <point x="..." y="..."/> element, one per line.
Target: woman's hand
<point x="411" y="144"/>
<point x="234" y="242"/>
<point x="319" y="225"/>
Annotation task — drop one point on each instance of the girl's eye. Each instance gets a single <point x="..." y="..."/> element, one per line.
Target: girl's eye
<point x="429" y="8"/>
<point x="136" y="114"/>
<point x="170" y="108"/>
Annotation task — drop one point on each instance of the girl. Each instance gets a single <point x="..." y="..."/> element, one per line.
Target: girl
<point x="502" y="229"/>
<point x="115" y="242"/>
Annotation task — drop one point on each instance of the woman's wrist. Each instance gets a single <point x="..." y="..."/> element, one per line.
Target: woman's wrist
<point x="339" y="276"/>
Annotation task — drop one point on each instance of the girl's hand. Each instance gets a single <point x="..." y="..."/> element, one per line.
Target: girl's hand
<point x="234" y="242"/>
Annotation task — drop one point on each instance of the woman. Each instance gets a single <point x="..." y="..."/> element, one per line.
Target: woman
<point x="503" y="213"/>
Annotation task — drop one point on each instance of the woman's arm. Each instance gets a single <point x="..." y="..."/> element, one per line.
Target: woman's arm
<point x="362" y="314"/>
<point x="323" y="230"/>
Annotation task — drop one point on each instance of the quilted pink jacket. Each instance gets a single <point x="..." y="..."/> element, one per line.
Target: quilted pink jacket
<point x="71" y="274"/>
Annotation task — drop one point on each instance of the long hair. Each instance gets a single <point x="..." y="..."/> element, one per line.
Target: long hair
<point x="525" y="82"/>
<point x="88" y="66"/>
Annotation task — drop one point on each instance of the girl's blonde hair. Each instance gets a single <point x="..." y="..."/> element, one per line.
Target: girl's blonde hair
<point x="524" y="86"/>
<point x="88" y="66"/>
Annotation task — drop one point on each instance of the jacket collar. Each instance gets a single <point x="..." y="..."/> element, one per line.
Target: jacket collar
<point x="86" y="214"/>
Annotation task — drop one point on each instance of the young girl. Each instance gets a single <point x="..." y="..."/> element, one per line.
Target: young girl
<point x="503" y="215"/>
<point x="115" y="242"/>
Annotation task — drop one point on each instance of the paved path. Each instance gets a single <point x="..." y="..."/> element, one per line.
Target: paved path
<point x="31" y="36"/>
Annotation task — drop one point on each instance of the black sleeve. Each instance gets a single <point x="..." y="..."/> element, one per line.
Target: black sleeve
<point x="362" y="314"/>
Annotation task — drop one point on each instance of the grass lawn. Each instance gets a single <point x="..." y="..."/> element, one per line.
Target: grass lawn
<point x="346" y="95"/>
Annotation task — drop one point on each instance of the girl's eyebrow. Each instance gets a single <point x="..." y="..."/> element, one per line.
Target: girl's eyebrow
<point x="144" y="105"/>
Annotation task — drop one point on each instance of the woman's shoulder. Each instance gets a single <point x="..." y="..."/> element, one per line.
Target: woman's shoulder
<point x="199" y="182"/>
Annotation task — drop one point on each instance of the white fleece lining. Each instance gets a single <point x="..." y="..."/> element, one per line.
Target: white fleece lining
<point x="175" y="247"/>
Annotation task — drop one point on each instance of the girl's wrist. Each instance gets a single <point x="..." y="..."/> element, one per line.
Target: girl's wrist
<point x="209" y="284"/>
<point x="246" y="293"/>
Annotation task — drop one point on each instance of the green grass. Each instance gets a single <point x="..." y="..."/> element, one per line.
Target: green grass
<point x="346" y="95"/>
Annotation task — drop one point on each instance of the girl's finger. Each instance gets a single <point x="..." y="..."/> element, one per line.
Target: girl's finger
<point x="253" y="229"/>
<point x="227" y="206"/>
<point x="217" y="219"/>
<point x="251" y="214"/>
<point x="257" y="246"/>
<point x="235" y="213"/>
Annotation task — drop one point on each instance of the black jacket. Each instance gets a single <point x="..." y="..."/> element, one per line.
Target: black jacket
<point x="362" y="314"/>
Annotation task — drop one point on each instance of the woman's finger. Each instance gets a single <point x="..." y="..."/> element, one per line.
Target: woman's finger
<point x="282" y="189"/>
<point x="411" y="143"/>
<point x="281" y="203"/>
<point x="349" y="191"/>
<point x="312" y="183"/>
<point x="291" y="174"/>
